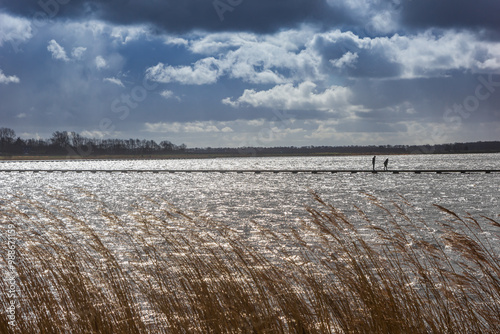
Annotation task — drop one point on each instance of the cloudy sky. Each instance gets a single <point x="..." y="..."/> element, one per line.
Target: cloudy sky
<point x="232" y="73"/>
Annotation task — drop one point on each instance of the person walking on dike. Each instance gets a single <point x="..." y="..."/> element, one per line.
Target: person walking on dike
<point x="386" y="162"/>
<point x="373" y="162"/>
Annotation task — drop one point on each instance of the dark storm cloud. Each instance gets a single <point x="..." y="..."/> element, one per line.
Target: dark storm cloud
<point x="183" y="16"/>
<point x="374" y="65"/>
<point x="451" y="13"/>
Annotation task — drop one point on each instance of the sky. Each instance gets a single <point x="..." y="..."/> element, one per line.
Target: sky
<point x="238" y="73"/>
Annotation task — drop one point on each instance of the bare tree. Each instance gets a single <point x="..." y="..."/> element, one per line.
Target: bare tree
<point x="7" y="135"/>
<point x="60" y="138"/>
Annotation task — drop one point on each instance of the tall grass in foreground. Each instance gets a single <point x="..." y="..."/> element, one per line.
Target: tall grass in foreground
<point x="162" y="271"/>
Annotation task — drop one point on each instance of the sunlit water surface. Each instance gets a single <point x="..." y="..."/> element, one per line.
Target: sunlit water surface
<point x="273" y="200"/>
<point x="246" y="202"/>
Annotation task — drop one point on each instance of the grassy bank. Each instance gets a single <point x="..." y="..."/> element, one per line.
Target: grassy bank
<point x="163" y="271"/>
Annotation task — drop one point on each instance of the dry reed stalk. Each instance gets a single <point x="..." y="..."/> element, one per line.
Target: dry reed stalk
<point x="164" y="271"/>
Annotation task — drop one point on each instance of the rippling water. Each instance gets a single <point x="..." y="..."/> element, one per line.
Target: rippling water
<point x="274" y="201"/>
<point x="449" y="161"/>
<point x="271" y="199"/>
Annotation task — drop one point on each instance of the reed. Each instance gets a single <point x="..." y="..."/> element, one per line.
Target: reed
<point x="160" y="270"/>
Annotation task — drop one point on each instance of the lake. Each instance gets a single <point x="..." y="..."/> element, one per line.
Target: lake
<point x="109" y="230"/>
<point x="270" y="199"/>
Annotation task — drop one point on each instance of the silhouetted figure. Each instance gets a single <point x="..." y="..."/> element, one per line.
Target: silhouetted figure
<point x="385" y="163"/>
<point x="373" y="162"/>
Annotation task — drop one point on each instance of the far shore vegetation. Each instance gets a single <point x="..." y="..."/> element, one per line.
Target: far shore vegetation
<point x="71" y="145"/>
<point x="161" y="270"/>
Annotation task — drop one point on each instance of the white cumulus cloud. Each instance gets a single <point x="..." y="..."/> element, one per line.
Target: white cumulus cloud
<point x="347" y="59"/>
<point x="168" y="94"/>
<point x="115" y="81"/>
<point x="4" y="79"/>
<point x="170" y="40"/>
<point x="290" y="97"/>
<point x="193" y="127"/>
<point x="247" y="57"/>
<point x="426" y="54"/>
<point x="57" y="51"/>
<point x="100" y="63"/>
<point x="307" y="55"/>
<point x="128" y="34"/>
<point x="203" y="72"/>
<point x="14" y="29"/>
<point x="78" y="52"/>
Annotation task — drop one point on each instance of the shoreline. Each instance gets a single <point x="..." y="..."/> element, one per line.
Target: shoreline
<point x="204" y="156"/>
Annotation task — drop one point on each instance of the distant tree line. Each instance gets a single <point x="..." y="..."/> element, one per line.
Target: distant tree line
<point x="472" y="147"/>
<point x="72" y="143"/>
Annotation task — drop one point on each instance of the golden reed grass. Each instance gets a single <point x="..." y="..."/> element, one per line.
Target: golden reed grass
<point x="160" y="270"/>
